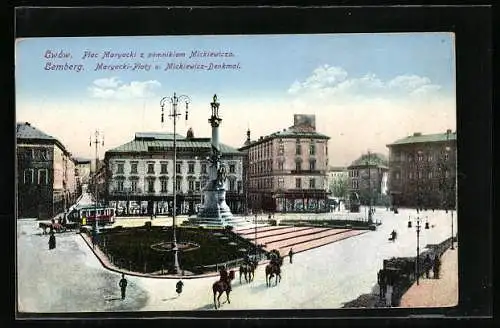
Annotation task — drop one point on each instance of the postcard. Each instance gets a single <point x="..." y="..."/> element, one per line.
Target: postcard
<point x="236" y="172"/>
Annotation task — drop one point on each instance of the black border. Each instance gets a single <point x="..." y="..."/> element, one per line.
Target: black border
<point x="473" y="30"/>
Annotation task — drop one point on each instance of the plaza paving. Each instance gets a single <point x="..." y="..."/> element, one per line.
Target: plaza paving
<point x="71" y="279"/>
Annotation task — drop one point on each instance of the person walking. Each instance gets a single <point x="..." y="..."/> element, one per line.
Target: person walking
<point x="178" y="287"/>
<point x="290" y="254"/>
<point x="52" y="240"/>
<point x="427" y="266"/>
<point x="123" y="285"/>
<point x="381" y="280"/>
<point x="436" y="267"/>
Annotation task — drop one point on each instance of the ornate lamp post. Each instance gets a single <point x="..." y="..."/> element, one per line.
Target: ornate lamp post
<point x="99" y="139"/>
<point x="417" y="261"/>
<point x="174" y="114"/>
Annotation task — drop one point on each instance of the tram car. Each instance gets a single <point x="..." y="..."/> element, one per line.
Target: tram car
<point x="105" y="215"/>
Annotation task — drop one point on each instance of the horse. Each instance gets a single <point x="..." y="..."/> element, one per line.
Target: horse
<point x="273" y="269"/>
<point x="248" y="268"/>
<point x="221" y="287"/>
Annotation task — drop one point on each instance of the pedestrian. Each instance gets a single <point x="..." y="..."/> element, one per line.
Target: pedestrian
<point x="290" y="254"/>
<point x="178" y="287"/>
<point x="123" y="285"/>
<point x="381" y="280"/>
<point x="436" y="267"/>
<point x="52" y="240"/>
<point x="427" y="266"/>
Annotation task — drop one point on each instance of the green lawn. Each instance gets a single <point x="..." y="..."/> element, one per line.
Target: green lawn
<point x="130" y="248"/>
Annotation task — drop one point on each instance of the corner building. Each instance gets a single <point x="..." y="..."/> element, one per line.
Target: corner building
<point x="287" y="170"/>
<point x="139" y="174"/>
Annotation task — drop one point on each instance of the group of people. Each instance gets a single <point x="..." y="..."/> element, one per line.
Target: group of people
<point x="434" y="264"/>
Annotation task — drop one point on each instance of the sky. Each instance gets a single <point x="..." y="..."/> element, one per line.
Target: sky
<point x="366" y="90"/>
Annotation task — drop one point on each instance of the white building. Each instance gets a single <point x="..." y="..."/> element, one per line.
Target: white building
<point x="140" y="174"/>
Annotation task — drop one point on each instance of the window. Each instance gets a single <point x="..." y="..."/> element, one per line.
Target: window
<point x="298" y="149"/>
<point x="231" y="185"/>
<point x="420" y="156"/>
<point x="28" y="176"/>
<point x="312" y="183"/>
<point x="119" y="185"/>
<point x="134" y="185"/>
<point x="280" y="166"/>
<point x="163" y="168"/>
<point x="410" y="175"/>
<point x="232" y="168"/>
<point x="397" y="176"/>
<point x="354" y="184"/>
<point x="191" y="168"/>
<point x="43" y="178"/>
<point x="326" y="150"/>
<point x="151" y="185"/>
<point x="198" y="185"/>
<point x="446" y="174"/>
<point x="446" y="156"/>
<point x="191" y="185"/>
<point x="410" y="158"/>
<point x="281" y="183"/>
<point x="429" y="158"/>
<point x="133" y="168"/>
<point x="178" y="184"/>
<point x="151" y="168"/>
<point x="419" y="175"/>
<point x="312" y="165"/>
<point x="312" y="148"/>
<point x="204" y="168"/>
<point x="178" y="168"/>
<point x="298" y="183"/>
<point x="297" y="166"/>
<point x="240" y="186"/>
<point x="119" y="169"/>
<point x="429" y="175"/>
<point x="164" y="185"/>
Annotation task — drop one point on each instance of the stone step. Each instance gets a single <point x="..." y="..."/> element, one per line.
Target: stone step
<point x="303" y="238"/>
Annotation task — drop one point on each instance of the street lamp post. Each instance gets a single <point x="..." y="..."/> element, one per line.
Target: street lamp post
<point x="99" y="139"/>
<point x="417" y="261"/>
<point x="174" y="114"/>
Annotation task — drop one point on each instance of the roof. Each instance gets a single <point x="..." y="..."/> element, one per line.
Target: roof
<point x="80" y="160"/>
<point x="154" y="142"/>
<point x="371" y="159"/>
<point x="26" y="132"/>
<point x="337" y="168"/>
<point x="157" y="136"/>
<point x="291" y="132"/>
<point x="421" y="138"/>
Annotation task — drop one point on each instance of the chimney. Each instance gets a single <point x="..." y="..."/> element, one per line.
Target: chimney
<point x="417" y="134"/>
<point x="248" y="135"/>
<point x="448" y="131"/>
<point x="190" y="134"/>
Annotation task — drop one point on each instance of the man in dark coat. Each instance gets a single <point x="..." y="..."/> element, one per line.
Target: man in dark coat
<point x="178" y="287"/>
<point x="290" y="254"/>
<point x="427" y="266"/>
<point x="382" y="283"/>
<point x="224" y="277"/>
<point x="123" y="285"/>
<point x="436" y="267"/>
<point x="52" y="240"/>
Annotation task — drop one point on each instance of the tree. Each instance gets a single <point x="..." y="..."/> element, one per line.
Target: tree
<point x="339" y="186"/>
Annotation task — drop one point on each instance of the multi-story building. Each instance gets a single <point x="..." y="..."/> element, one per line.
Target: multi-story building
<point x="82" y="172"/>
<point x="46" y="181"/>
<point x="338" y="177"/>
<point x="139" y="174"/>
<point x="368" y="178"/>
<point x="423" y="170"/>
<point x="287" y="170"/>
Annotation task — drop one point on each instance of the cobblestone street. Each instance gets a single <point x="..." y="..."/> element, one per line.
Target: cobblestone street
<point x="71" y="279"/>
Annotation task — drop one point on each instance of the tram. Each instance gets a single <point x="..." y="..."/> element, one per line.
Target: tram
<point x="105" y="215"/>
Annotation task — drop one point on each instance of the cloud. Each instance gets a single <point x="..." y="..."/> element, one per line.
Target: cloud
<point x="113" y="88"/>
<point x="331" y="81"/>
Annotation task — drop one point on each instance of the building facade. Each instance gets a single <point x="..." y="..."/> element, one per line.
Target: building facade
<point x="139" y="174"/>
<point x="368" y="178"/>
<point x="423" y="170"/>
<point x="46" y="174"/>
<point x="287" y="170"/>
